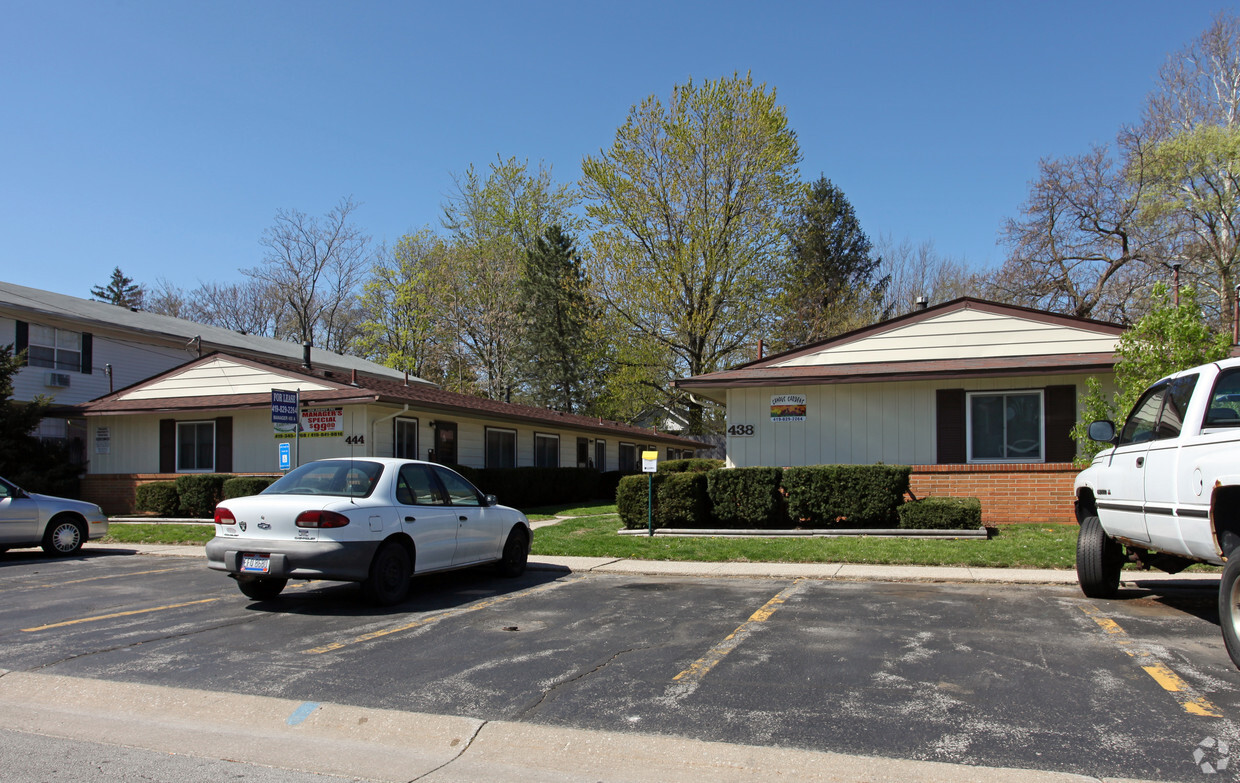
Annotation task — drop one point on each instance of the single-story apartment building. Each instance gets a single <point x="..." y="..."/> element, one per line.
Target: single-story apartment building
<point x="977" y="396"/>
<point x="214" y="415"/>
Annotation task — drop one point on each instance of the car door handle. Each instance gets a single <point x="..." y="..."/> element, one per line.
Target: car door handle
<point x="411" y="519"/>
<point x="1140" y="462"/>
<point x="463" y="518"/>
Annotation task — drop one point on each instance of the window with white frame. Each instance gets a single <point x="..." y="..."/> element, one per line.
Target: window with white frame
<point x="59" y="349"/>
<point x="1006" y="426"/>
<point x="501" y="448"/>
<point x="405" y="438"/>
<point x="546" y="450"/>
<point x="195" y="446"/>
<point x="600" y="455"/>
<point x="628" y="457"/>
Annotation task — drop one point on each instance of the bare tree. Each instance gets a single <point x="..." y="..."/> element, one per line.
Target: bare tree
<point x="918" y="271"/>
<point x="165" y="298"/>
<point x="1081" y="246"/>
<point x="251" y="307"/>
<point x="315" y="267"/>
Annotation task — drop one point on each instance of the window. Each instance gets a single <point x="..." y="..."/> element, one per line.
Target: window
<point x="405" y="439"/>
<point x="1005" y="426"/>
<point x="546" y="451"/>
<point x="460" y="491"/>
<point x="583" y="452"/>
<point x="1171" y="421"/>
<point x="628" y="458"/>
<point x="1224" y="408"/>
<point x="1141" y="422"/>
<point x="501" y="448"/>
<point x="58" y="349"/>
<point x="195" y="446"/>
<point x="600" y="455"/>
<point x="416" y="486"/>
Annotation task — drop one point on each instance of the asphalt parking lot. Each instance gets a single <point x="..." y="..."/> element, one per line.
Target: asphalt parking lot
<point x="1031" y="677"/>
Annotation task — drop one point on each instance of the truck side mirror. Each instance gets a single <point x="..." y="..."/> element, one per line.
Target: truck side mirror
<point x="1102" y="431"/>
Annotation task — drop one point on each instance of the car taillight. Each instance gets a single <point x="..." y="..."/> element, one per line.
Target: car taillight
<point x="224" y="517"/>
<point x="321" y="519"/>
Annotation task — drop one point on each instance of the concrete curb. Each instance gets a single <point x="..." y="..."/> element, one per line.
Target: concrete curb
<point x="840" y="571"/>
<point x="388" y="745"/>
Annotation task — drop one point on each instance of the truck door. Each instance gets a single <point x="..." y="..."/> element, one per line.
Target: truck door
<point x="1120" y="494"/>
<point x="1162" y="469"/>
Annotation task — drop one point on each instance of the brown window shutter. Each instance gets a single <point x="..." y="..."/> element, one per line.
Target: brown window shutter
<point x="223" y="445"/>
<point x="167" y="445"/>
<point x="949" y="419"/>
<point x="1060" y="417"/>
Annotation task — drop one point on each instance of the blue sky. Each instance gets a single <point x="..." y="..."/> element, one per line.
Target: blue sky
<point x="161" y="137"/>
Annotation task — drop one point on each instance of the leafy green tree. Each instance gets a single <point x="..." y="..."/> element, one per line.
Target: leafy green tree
<point x="688" y="206"/>
<point x="558" y="312"/>
<point x="832" y="282"/>
<point x="403" y="306"/>
<point x="120" y="290"/>
<point x="25" y="460"/>
<point x="1169" y="338"/>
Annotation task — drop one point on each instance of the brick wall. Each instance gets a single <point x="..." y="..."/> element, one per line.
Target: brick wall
<point x="1009" y="493"/>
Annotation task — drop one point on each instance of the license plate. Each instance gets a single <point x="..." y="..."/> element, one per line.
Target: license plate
<point x="255" y="564"/>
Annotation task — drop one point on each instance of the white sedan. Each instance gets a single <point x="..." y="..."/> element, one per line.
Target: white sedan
<point x="377" y="521"/>
<point x="59" y="525"/>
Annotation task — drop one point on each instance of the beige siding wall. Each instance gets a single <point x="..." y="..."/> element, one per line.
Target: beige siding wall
<point x="860" y="423"/>
<point x="133" y="442"/>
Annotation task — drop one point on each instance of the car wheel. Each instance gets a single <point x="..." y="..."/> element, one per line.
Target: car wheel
<point x="261" y="589"/>
<point x="390" y="571"/>
<point x="516" y="553"/>
<point x="1099" y="559"/>
<point x="1229" y="605"/>
<point x="64" y="536"/>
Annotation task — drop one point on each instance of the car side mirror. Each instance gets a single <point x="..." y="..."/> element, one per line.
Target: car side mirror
<point x="491" y="500"/>
<point x="1102" y="431"/>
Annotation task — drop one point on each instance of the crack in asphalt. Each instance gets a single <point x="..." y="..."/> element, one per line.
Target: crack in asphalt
<point x="576" y="678"/>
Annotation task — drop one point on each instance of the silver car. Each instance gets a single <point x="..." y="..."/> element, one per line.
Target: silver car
<point x="59" y="525"/>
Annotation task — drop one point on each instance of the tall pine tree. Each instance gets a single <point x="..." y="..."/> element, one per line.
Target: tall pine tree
<point x="120" y="290"/>
<point x="558" y="314"/>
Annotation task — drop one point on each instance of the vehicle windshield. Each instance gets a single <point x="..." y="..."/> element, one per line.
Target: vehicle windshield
<point x="342" y="477"/>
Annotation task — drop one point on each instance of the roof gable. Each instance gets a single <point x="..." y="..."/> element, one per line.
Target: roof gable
<point x="219" y="375"/>
<point x="962" y="332"/>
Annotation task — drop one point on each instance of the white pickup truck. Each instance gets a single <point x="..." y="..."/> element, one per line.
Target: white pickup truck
<point x="1167" y="493"/>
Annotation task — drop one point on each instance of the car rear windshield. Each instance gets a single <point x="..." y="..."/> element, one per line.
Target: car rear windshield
<point x="343" y="477"/>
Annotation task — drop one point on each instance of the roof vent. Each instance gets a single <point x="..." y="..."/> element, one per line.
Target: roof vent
<point x="920" y="303"/>
<point x="305" y="355"/>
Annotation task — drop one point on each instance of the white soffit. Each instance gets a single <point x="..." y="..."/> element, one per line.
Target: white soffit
<point x="962" y="334"/>
<point x="220" y="377"/>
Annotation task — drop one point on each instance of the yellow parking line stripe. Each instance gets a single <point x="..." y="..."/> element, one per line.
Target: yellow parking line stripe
<point x="1192" y="702"/>
<point x="99" y="617"/>
<point x="702" y="666"/>
<point x="421" y="621"/>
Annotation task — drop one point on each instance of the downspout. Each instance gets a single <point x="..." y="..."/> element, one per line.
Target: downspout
<point x="374" y="425"/>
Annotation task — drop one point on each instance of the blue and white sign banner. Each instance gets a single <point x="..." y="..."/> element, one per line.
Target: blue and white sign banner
<point x="286" y="456"/>
<point x="284" y="406"/>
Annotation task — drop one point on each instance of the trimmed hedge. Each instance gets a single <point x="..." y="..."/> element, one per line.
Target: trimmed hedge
<point x="746" y="497"/>
<point x="244" y="486"/>
<point x="199" y="492"/>
<point x="940" y="513"/>
<point x="160" y="497"/>
<point x="680" y="500"/>
<point x="852" y="496"/>
<point x="691" y="465"/>
<point x="528" y="487"/>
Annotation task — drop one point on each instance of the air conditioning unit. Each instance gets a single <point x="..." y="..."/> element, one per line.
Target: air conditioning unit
<point x="57" y="379"/>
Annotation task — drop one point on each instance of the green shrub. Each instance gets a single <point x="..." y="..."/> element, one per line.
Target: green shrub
<point x="199" y="492"/>
<point x="680" y="501"/>
<point x="937" y="513"/>
<point x="631" y="499"/>
<point x="244" y="486"/>
<point x="692" y="465"/>
<point x="529" y="487"/>
<point x="849" y="496"/>
<point x="608" y="483"/>
<point x="160" y="497"/>
<point x="746" y="497"/>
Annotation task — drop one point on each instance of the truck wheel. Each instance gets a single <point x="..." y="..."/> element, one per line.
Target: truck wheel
<point x="1099" y="559"/>
<point x="1229" y="605"/>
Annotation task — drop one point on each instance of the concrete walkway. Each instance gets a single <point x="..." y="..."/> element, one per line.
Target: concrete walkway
<point x="841" y="571"/>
